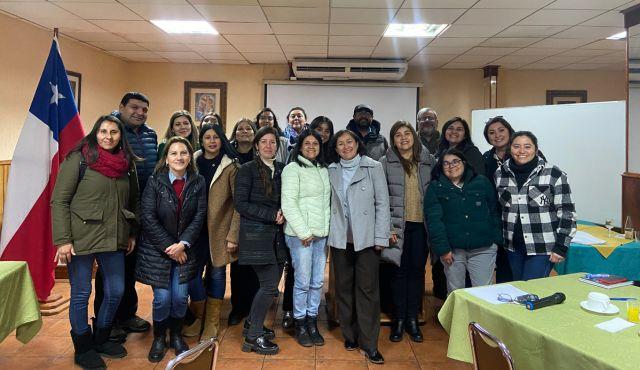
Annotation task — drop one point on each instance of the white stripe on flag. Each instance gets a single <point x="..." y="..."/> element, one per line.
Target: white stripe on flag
<point x="28" y="175"/>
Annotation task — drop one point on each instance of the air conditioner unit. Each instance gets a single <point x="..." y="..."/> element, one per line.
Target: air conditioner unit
<point x="349" y="69"/>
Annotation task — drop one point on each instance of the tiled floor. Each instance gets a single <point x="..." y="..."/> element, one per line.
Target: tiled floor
<point x="52" y="347"/>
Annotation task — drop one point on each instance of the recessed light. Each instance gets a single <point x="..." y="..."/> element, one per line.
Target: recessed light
<point x="618" y="36"/>
<point x="185" y="26"/>
<point x="414" y="30"/>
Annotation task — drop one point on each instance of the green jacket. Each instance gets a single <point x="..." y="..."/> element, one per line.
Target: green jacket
<point x="98" y="214"/>
<point x="464" y="218"/>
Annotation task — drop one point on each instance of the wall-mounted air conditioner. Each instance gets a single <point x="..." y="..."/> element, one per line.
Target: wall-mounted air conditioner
<point x="349" y="69"/>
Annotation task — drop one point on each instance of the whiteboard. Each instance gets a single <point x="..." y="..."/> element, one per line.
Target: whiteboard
<point x="390" y="102"/>
<point x="587" y="142"/>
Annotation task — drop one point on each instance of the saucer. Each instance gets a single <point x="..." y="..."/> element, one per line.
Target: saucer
<point x="613" y="309"/>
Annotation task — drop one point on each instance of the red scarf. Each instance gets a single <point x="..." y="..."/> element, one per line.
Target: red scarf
<point x="112" y="165"/>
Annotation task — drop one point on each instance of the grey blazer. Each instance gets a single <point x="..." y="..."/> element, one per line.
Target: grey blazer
<point x="368" y="206"/>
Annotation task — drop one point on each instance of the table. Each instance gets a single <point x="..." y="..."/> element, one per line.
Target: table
<point x="557" y="337"/>
<point x="19" y="307"/>
<point x="624" y="261"/>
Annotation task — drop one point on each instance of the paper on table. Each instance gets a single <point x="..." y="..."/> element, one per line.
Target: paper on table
<point x="583" y="237"/>
<point x="490" y="292"/>
<point x="614" y="325"/>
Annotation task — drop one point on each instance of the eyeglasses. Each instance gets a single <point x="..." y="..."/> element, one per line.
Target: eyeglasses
<point x="296" y="116"/>
<point x="425" y="120"/>
<point x="454" y="163"/>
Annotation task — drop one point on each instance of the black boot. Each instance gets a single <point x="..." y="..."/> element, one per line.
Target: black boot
<point x="260" y="345"/>
<point x="117" y="335"/>
<point x="85" y="356"/>
<point x="287" y="320"/>
<point x="159" y="345"/>
<point x="314" y="333"/>
<point x="175" y="336"/>
<point x="397" y="328"/>
<point x="266" y="332"/>
<point x="374" y="356"/>
<point x="413" y="329"/>
<point x="302" y="335"/>
<point x="103" y="346"/>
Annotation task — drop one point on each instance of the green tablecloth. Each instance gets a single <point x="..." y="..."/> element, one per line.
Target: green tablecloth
<point x="19" y="307"/>
<point x="624" y="261"/>
<point x="556" y="337"/>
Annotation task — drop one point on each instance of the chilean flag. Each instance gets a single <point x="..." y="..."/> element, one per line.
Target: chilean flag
<point x="51" y="129"/>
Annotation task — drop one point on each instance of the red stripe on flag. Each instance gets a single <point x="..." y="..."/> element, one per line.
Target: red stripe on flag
<point x="70" y="136"/>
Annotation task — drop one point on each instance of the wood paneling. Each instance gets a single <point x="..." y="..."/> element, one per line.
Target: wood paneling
<point x="631" y="198"/>
<point x="4" y="177"/>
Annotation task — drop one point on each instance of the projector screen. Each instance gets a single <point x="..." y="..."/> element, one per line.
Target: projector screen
<point x="390" y="101"/>
<point x="587" y="142"/>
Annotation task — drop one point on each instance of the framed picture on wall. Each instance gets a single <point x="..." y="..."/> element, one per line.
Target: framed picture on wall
<point x="201" y="98"/>
<point x="566" y="96"/>
<point x="75" y="80"/>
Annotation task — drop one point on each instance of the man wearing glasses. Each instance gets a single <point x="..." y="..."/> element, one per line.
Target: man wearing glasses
<point x="427" y="127"/>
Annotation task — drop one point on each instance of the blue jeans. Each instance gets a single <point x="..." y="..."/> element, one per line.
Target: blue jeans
<point x="216" y="278"/>
<point x="308" y="264"/>
<point x="172" y="301"/>
<point x="527" y="267"/>
<point x="80" y="269"/>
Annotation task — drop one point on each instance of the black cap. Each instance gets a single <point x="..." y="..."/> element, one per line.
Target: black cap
<point x="362" y="108"/>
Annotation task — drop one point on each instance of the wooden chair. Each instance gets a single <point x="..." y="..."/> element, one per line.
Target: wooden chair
<point x="489" y="352"/>
<point x="201" y="357"/>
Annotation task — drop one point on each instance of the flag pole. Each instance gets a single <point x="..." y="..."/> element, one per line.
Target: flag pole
<point x="55" y="32"/>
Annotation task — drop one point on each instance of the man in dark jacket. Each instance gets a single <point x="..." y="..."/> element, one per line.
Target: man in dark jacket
<point x="143" y="140"/>
<point x="368" y="130"/>
<point x="427" y="128"/>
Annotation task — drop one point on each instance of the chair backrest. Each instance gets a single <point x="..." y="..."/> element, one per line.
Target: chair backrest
<point x="201" y="357"/>
<point x="489" y="353"/>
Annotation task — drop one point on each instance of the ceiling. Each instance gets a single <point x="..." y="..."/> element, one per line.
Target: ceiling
<point x="515" y="34"/>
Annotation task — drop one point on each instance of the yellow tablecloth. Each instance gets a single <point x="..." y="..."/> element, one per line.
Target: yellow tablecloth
<point x="19" y="307"/>
<point x="602" y="233"/>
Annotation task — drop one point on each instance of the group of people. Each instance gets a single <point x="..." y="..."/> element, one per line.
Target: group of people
<point x="269" y="201"/>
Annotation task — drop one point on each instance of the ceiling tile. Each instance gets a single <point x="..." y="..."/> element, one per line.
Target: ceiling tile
<point x="67" y="25"/>
<point x="199" y="39"/>
<point x="121" y="26"/>
<point x="265" y="57"/>
<point x="248" y="48"/>
<point x="443" y="50"/>
<point x="431" y="16"/>
<point x="166" y="12"/>
<point x="403" y="44"/>
<point x="354" y="40"/>
<point x="518" y="59"/>
<point x="490" y="51"/>
<point x="584" y="66"/>
<point x="557" y="17"/>
<point x="164" y="46"/>
<point x="266" y="40"/>
<point x="169" y="2"/>
<point x="366" y="3"/>
<point x="544" y="66"/>
<point x="300" y="28"/>
<point x="116" y="46"/>
<point x="464" y="30"/>
<point x="133" y="54"/>
<point x="563" y="59"/>
<point x="463" y="65"/>
<point x="538" y="51"/>
<point x="448" y="4"/>
<point x="607" y="45"/>
<point x="628" y="5"/>
<point x="395" y="54"/>
<point x="286" y="14"/>
<point x="302" y="40"/>
<point x="220" y="56"/>
<point x="609" y="58"/>
<point x="560" y="43"/>
<point x="350" y="51"/>
<point x="150" y="60"/>
<point x="228" y="13"/>
<point x="95" y="36"/>
<point x="296" y="3"/>
<point x="225" y="61"/>
<point x="188" y="61"/>
<point x="510" y="41"/>
<point x="593" y="33"/>
<point x="512" y="4"/>
<point x="211" y="48"/>
<point x="357" y="29"/>
<point x="485" y="59"/>
<point x="362" y="16"/>
<point x="147" y="37"/>
<point x="307" y="49"/>
<point x="586" y="4"/>
<point x="231" y="28"/>
<point x="584" y="52"/>
<point x="610" y="19"/>
<point x="36" y="10"/>
<point x="113" y="11"/>
<point x="504" y="17"/>
<point x="531" y="31"/>
<point x="431" y="61"/>
<point x="292" y="56"/>
<point x="179" y="54"/>
<point x="457" y="41"/>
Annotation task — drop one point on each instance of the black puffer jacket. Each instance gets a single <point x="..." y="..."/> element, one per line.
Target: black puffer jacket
<point x="144" y="143"/>
<point x="162" y="229"/>
<point x="261" y="240"/>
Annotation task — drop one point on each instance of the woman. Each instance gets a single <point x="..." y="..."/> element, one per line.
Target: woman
<point x="497" y="132"/>
<point x="462" y="218"/>
<point x="358" y="231"/>
<point x="94" y="207"/>
<point x="257" y="200"/>
<point x="323" y="126"/>
<point x="305" y="204"/>
<point x="218" y="242"/>
<point x="173" y="210"/>
<point x="180" y="124"/>
<point x="266" y="117"/>
<point x="211" y="118"/>
<point x="456" y="134"/>
<point x="297" y="121"/>
<point x="537" y="211"/>
<point x="407" y="166"/>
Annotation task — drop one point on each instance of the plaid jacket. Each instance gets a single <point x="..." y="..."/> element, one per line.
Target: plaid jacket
<point x="544" y="205"/>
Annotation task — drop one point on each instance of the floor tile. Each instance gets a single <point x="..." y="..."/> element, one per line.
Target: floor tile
<point x="130" y="363"/>
<point x="291" y="350"/>
<point x="334" y="350"/>
<point x="396" y="365"/>
<point x="430" y="351"/>
<point x="239" y="364"/>
<point x="232" y="348"/>
<point x="42" y="346"/>
<point x="275" y="364"/>
<point x="341" y="364"/>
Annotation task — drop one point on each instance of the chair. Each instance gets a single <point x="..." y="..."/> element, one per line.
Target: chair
<point x="201" y="357"/>
<point x="489" y="353"/>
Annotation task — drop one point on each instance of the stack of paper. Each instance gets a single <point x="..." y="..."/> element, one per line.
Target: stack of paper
<point x="586" y="238"/>
<point x="490" y="293"/>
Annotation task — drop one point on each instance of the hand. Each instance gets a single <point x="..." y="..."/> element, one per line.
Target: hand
<point x="64" y="253"/>
<point x="131" y="245"/>
<point x="174" y="251"/>
<point x="232" y="247"/>
<point x="394" y="238"/>
<point x="279" y="217"/>
<point x="555" y="258"/>
<point x="378" y="248"/>
<point x="447" y="259"/>
<point x="307" y="242"/>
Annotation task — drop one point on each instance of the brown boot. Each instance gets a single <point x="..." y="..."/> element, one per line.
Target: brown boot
<point x="193" y="330"/>
<point x="211" y="318"/>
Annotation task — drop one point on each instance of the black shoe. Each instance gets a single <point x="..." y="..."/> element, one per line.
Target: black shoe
<point x="235" y="318"/>
<point x="314" y="333"/>
<point x="413" y="329"/>
<point x="85" y="356"/>
<point x="135" y="325"/>
<point x="266" y="332"/>
<point x="287" y="320"/>
<point x="117" y="335"/>
<point x="350" y="345"/>
<point x="397" y="328"/>
<point x="374" y="356"/>
<point x="103" y="346"/>
<point x="260" y="345"/>
<point x="175" y="336"/>
<point x="159" y="345"/>
<point x="302" y="335"/>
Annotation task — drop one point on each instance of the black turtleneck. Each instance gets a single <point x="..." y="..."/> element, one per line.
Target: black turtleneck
<point x="523" y="171"/>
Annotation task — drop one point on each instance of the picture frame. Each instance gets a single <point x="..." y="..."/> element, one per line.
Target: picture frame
<point x="201" y="97"/>
<point x="75" y="80"/>
<point x="566" y="96"/>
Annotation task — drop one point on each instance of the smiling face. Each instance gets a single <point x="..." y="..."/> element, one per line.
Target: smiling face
<point x="297" y="119"/>
<point x="427" y="122"/>
<point x="453" y="167"/>
<point x="211" y="143"/>
<point x="108" y="135"/>
<point x="523" y="150"/>
<point x="324" y="131"/>
<point x="266" y="118"/>
<point x="178" y="158"/>
<point x="310" y="148"/>
<point x="403" y="139"/>
<point x="455" y="134"/>
<point x="346" y="146"/>
<point x="498" y="135"/>
<point x="181" y="127"/>
<point x="134" y="113"/>
<point x="267" y="146"/>
<point x="244" y="133"/>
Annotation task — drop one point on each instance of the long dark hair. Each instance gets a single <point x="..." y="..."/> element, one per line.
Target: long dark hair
<point x="212" y="114"/>
<point x="416" y="150"/>
<point x="263" y="170"/>
<point x="333" y="154"/>
<point x="493" y="120"/>
<point x="235" y="128"/>
<point x="320" y="120"/>
<point x="297" y="149"/>
<point x="91" y="141"/>
<point x="193" y="136"/>
<point x="226" y="147"/>
<point x="444" y="143"/>
<point x="162" y="167"/>
<point x="438" y="170"/>
<point x="275" y="120"/>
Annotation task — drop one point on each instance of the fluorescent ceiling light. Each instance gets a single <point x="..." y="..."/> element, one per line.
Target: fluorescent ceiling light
<point x="414" y="30"/>
<point x="185" y="26"/>
<point x="618" y="36"/>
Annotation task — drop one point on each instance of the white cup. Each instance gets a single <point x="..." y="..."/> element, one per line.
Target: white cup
<point x="598" y="301"/>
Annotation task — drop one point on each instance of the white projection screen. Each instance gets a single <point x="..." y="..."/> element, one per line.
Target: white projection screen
<point x="587" y="141"/>
<point x="390" y="101"/>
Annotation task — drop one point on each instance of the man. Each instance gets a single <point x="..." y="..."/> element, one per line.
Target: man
<point x="368" y="130"/>
<point x="427" y="127"/>
<point x="143" y="140"/>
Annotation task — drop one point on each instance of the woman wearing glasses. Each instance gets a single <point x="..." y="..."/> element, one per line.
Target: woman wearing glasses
<point x="462" y="219"/>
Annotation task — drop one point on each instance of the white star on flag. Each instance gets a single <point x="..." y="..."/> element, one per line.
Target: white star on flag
<point x="56" y="94"/>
